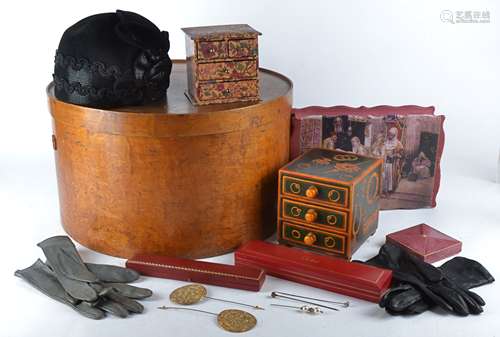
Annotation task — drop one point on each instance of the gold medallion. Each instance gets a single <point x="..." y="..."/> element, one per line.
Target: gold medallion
<point x="194" y="293"/>
<point x="234" y="320"/>
<point x="190" y="294"/>
<point x="231" y="320"/>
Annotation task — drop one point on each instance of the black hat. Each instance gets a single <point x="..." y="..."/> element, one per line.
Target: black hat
<point x="112" y="59"/>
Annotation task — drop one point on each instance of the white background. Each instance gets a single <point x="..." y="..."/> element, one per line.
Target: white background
<point x="336" y="52"/>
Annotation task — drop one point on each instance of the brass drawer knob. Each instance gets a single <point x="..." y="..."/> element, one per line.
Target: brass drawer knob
<point x="310" y="239"/>
<point x="311" y="215"/>
<point x="312" y="192"/>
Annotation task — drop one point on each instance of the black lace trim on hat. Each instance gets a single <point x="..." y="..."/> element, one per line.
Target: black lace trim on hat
<point x="95" y="67"/>
<point x="96" y="93"/>
<point x="148" y="66"/>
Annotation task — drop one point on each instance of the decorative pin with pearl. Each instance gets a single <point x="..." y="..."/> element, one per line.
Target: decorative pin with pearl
<point x="299" y="298"/>
<point x="304" y="308"/>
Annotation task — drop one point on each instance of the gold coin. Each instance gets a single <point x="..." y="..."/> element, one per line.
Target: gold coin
<point x="234" y="320"/>
<point x="190" y="294"/>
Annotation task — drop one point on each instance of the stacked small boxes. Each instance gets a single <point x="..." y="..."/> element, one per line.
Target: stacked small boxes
<point x="329" y="201"/>
<point x="222" y="64"/>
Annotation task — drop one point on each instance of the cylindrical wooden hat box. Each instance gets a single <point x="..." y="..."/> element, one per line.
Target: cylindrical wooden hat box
<point x="172" y="179"/>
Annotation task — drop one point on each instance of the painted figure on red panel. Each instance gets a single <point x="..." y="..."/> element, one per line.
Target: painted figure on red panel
<point x="329" y="143"/>
<point x="407" y="144"/>
<point x="392" y="166"/>
<point x="357" y="147"/>
<point x="421" y="167"/>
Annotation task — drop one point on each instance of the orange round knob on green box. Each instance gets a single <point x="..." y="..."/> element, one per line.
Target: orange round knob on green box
<point x="310" y="239"/>
<point x="312" y="192"/>
<point x="311" y="215"/>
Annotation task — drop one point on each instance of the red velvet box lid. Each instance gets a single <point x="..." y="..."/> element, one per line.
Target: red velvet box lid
<point x="425" y="242"/>
<point x="223" y="275"/>
<point x="320" y="271"/>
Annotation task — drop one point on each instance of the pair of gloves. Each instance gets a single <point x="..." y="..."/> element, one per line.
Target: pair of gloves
<point x="418" y="286"/>
<point x="90" y="289"/>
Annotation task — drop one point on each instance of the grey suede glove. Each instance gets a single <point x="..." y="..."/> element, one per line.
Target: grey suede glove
<point x="68" y="267"/>
<point x="97" y="286"/>
<point x="40" y="276"/>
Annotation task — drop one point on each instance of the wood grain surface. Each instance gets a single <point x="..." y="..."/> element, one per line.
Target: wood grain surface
<point x="172" y="178"/>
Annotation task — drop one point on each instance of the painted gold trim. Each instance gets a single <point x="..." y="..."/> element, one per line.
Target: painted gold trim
<point x="324" y="228"/>
<point x="295" y="211"/>
<point x="355" y="229"/>
<point x="372" y="198"/>
<point x="330" y="195"/>
<point x="329" y="245"/>
<point x="346" y="191"/>
<point x="295" y="234"/>
<point x="295" y="188"/>
<point x="284" y="225"/>
<point x="328" y="219"/>
<point x="278" y="206"/>
<point x="343" y="214"/>
<point x="345" y="157"/>
<point x="166" y="266"/>
<point x="377" y="162"/>
<point x="323" y="179"/>
<point x="350" y="242"/>
<point x="356" y="225"/>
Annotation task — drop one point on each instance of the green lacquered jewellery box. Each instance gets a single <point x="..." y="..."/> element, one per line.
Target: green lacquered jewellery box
<point x="329" y="201"/>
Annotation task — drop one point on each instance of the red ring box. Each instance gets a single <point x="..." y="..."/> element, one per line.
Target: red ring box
<point x="425" y="242"/>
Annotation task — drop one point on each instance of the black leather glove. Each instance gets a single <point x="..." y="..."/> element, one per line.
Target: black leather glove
<point x="418" y="286"/>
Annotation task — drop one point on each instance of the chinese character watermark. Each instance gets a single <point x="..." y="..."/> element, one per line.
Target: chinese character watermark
<point x="454" y="17"/>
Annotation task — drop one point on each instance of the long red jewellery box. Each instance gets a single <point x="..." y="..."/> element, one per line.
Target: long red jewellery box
<point x="320" y="271"/>
<point x="223" y="275"/>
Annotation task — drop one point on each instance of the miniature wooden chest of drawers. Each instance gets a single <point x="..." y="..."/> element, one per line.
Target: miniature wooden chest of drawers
<point x="329" y="201"/>
<point x="222" y="64"/>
